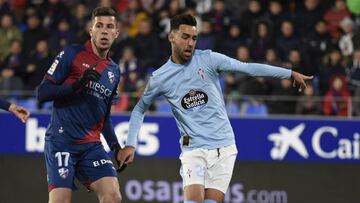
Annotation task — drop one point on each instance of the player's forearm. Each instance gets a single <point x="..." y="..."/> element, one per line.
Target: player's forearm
<point x="48" y="91"/>
<point x="136" y="120"/>
<point x="109" y="133"/>
<point x="257" y="69"/>
<point x="4" y="105"/>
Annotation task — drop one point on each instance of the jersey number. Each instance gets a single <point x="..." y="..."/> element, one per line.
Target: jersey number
<point x="60" y="155"/>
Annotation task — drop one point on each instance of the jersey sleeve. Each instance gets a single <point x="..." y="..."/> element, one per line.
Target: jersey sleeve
<point x="152" y="90"/>
<point x="222" y="63"/>
<point x="61" y="66"/>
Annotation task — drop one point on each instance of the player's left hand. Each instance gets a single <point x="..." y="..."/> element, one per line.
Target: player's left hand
<point x="125" y="156"/>
<point x="20" y="112"/>
<point x="300" y="79"/>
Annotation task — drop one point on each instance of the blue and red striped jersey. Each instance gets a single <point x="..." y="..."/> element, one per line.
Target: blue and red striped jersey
<point x="79" y="117"/>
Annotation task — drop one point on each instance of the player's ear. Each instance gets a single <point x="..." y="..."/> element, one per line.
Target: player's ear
<point x="171" y="37"/>
<point x="90" y="32"/>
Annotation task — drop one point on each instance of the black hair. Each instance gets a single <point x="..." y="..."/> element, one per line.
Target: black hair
<point x="105" y="11"/>
<point x="182" y="19"/>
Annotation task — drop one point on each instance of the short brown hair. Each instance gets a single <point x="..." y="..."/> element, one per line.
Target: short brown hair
<point x="104" y="11"/>
<point x="180" y="19"/>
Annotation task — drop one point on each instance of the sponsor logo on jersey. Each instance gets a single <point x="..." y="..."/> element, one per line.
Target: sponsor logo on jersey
<point x="53" y="67"/>
<point x="63" y="172"/>
<point x="98" y="90"/>
<point x="194" y="100"/>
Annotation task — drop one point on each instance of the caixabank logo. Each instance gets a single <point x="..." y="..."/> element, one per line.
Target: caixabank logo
<point x="324" y="142"/>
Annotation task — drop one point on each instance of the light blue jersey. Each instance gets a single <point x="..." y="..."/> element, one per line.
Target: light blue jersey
<point x="194" y="93"/>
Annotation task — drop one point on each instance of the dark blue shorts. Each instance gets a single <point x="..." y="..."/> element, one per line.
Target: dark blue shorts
<point x="85" y="162"/>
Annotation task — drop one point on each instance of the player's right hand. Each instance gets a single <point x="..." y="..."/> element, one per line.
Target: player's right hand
<point x="20" y="112"/>
<point x="125" y="156"/>
<point x="89" y="75"/>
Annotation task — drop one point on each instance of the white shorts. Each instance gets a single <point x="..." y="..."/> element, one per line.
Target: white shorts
<point x="211" y="168"/>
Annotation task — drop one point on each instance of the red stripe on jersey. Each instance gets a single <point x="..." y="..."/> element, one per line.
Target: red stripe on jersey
<point x="83" y="61"/>
<point x="50" y="78"/>
<point x="93" y="135"/>
<point x="51" y="187"/>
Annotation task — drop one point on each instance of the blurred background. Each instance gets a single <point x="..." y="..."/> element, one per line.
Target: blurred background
<point x="270" y="118"/>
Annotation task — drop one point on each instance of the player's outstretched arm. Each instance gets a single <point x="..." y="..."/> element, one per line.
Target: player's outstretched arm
<point x="300" y="79"/>
<point x="20" y="112"/>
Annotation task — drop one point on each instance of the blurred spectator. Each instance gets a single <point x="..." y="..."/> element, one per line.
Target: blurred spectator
<point x="261" y="40"/>
<point x="153" y="6"/>
<point x="206" y="37"/>
<point x="318" y="43"/>
<point x="175" y="8"/>
<point x="34" y="33"/>
<point x="8" y="33"/>
<point x="129" y="68"/>
<point x="238" y="7"/>
<point x="203" y="6"/>
<point x="233" y="39"/>
<point x="121" y="42"/>
<point x="353" y="72"/>
<point x="219" y="17"/>
<point x="12" y="69"/>
<point x="287" y="39"/>
<point x="53" y="12"/>
<point x="332" y="66"/>
<point x="334" y="16"/>
<point x="252" y="14"/>
<point x="296" y="62"/>
<point x="337" y="98"/>
<point x="132" y="17"/>
<point x="311" y="13"/>
<point x="147" y="47"/>
<point x="61" y="37"/>
<point x="4" y="7"/>
<point x="287" y="103"/>
<point x="80" y="18"/>
<point x="276" y="15"/>
<point x="39" y="62"/>
<point x="271" y="57"/>
<point x="346" y="44"/>
<point x="307" y="103"/>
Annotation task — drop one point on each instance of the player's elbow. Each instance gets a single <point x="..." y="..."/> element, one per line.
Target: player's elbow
<point x="41" y="94"/>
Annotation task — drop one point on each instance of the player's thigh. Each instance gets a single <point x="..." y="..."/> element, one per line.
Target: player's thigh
<point x="60" y="195"/>
<point x="193" y="169"/>
<point x="107" y="187"/>
<point x="60" y="165"/>
<point x="194" y="192"/>
<point x="94" y="165"/>
<point x="219" y="175"/>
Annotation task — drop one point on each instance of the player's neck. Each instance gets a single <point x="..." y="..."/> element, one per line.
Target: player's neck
<point x="176" y="59"/>
<point x="98" y="52"/>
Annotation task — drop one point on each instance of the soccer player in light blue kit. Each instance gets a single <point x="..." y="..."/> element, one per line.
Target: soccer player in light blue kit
<point x="189" y="80"/>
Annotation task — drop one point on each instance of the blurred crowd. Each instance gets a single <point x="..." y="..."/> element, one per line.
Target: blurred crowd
<point x="314" y="37"/>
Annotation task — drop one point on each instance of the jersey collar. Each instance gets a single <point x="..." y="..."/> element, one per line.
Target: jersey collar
<point x="88" y="47"/>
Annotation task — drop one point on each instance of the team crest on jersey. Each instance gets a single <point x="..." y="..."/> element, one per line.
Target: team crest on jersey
<point x="201" y="72"/>
<point x="111" y="76"/>
<point x="195" y="100"/>
<point x="63" y="172"/>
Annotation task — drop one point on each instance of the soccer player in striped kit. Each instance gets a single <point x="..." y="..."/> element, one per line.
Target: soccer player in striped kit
<point x="82" y="82"/>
